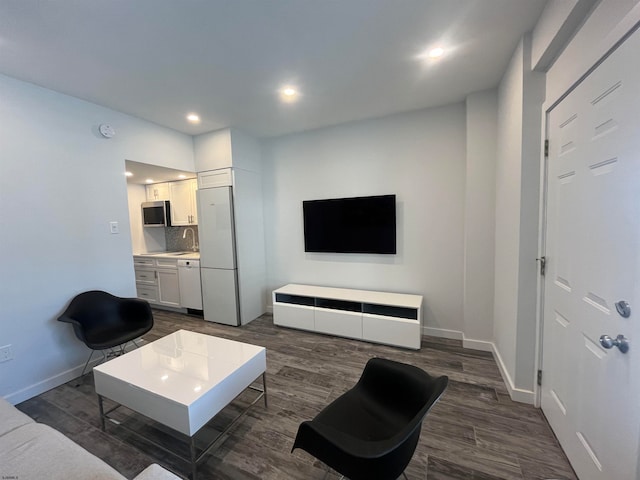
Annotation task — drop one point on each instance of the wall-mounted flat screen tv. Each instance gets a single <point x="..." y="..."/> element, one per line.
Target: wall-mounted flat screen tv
<point x="350" y="225"/>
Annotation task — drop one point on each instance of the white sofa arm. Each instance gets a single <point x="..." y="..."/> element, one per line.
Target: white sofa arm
<point x="156" y="472"/>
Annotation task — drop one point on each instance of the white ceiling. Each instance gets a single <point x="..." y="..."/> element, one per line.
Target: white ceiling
<point x="226" y="59"/>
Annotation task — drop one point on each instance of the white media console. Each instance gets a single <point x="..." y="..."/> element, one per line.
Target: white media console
<point x="389" y="318"/>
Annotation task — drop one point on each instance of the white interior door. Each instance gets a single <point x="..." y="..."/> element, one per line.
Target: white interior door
<point x="591" y="394"/>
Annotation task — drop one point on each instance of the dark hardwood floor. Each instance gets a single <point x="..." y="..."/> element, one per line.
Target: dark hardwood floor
<point x="474" y="432"/>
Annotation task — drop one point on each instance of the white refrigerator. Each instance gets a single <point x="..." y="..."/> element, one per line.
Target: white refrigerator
<point x="218" y="264"/>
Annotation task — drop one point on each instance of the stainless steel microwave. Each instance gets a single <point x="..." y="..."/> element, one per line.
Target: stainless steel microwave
<point x="156" y="214"/>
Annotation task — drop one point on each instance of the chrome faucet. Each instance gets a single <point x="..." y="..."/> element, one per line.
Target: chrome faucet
<point x="194" y="247"/>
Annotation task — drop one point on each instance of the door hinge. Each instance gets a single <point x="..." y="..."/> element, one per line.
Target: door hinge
<point x="543" y="265"/>
<point x="546" y="149"/>
<point x="539" y="378"/>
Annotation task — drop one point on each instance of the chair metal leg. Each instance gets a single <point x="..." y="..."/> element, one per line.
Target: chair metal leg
<point x="86" y="364"/>
<point x="106" y="354"/>
<point x="105" y="357"/>
<point x="77" y="384"/>
<point x="405" y="476"/>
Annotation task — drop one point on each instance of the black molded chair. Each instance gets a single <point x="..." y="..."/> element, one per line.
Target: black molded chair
<point x="105" y="322"/>
<point x="371" y="431"/>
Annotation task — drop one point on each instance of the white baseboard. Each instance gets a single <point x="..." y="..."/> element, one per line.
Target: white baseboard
<point x="46" y="385"/>
<point x="270" y="309"/>
<point x="481" y="345"/>
<point x="516" y="394"/>
<point x="442" y="333"/>
<point x="57" y="380"/>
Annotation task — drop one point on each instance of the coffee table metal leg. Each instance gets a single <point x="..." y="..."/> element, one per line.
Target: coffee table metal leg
<point x="194" y="459"/>
<point x="264" y="387"/>
<point x="101" y="412"/>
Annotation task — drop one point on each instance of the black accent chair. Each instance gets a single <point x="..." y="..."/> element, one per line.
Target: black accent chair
<point x="104" y="322"/>
<point x="371" y="431"/>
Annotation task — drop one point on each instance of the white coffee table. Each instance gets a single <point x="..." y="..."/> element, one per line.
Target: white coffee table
<point x="182" y="381"/>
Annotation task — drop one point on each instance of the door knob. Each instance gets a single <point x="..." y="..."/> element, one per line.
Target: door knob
<point x="622" y="343"/>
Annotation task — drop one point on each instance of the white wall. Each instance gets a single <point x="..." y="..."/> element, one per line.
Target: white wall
<point x="507" y="233"/>
<point x="520" y="97"/>
<point x="61" y="184"/>
<point x="532" y="151"/>
<point x="418" y="156"/>
<point x="479" y="228"/>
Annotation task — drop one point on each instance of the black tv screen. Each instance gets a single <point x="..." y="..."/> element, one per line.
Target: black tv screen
<point x="350" y="225"/>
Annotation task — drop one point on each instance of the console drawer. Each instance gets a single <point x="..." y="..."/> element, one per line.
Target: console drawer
<point x="391" y="330"/>
<point x="293" y="316"/>
<point x="339" y="322"/>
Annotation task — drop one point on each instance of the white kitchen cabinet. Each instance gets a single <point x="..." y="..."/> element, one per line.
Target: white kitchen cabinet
<point x="146" y="276"/>
<point x="168" y="287"/>
<point x="157" y="280"/>
<point x="182" y="195"/>
<point x="215" y="178"/>
<point x="158" y="191"/>
<point x="148" y="293"/>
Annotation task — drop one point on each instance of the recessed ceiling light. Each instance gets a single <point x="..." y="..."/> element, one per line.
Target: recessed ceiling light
<point x="182" y="176"/>
<point x="149" y="180"/>
<point x="436" y="52"/>
<point x="432" y="54"/>
<point x="289" y="94"/>
<point x="193" y="118"/>
<point x="128" y="174"/>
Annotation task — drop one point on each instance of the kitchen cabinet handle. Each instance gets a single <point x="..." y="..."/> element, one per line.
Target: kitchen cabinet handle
<point x="155" y="274"/>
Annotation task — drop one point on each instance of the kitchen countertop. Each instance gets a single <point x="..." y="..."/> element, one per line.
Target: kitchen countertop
<point x="186" y="255"/>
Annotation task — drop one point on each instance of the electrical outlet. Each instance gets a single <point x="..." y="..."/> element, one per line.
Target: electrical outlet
<point x="113" y="227"/>
<point x="6" y="353"/>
